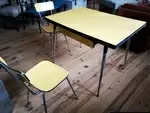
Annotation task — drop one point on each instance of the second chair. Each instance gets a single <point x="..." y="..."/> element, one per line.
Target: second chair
<point x="48" y="28"/>
<point x="43" y="77"/>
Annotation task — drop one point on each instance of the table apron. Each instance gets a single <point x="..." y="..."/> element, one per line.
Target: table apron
<point x="77" y="37"/>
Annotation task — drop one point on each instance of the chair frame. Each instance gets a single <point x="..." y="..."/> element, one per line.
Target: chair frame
<point x="44" y="24"/>
<point x="22" y="78"/>
<point x="22" y="4"/>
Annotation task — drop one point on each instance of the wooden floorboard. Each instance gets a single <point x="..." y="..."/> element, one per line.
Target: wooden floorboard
<point x="137" y="101"/>
<point x="121" y="90"/>
<point x="127" y="94"/>
<point x="117" y="86"/>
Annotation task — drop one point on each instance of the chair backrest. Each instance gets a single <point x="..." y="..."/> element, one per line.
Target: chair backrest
<point x="42" y="7"/>
<point x="2" y="60"/>
<point x="26" y="4"/>
<point x="18" y="75"/>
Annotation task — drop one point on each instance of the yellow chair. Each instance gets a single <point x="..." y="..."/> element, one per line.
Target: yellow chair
<point x="44" y="77"/>
<point x="48" y="28"/>
<point x="3" y="61"/>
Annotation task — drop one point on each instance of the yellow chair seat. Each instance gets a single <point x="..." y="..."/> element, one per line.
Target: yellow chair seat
<point x="2" y="60"/>
<point x="49" y="28"/>
<point x="46" y="75"/>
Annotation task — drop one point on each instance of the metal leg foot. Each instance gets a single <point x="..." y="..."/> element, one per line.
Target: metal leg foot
<point x="67" y="43"/>
<point x="80" y="45"/>
<point x="122" y="66"/>
<point x="32" y="20"/>
<point x="102" y="69"/>
<point x="53" y="44"/>
<point x="54" y="48"/>
<point x="38" y="20"/>
<point x="23" y="21"/>
<point x="72" y="88"/>
<point x="16" y="24"/>
<point x="43" y="41"/>
<point x="44" y="102"/>
<point x="28" y="102"/>
<point x="57" y="39"/>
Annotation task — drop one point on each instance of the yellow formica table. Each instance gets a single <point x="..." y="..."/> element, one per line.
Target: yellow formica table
<point x="91" y="27"/>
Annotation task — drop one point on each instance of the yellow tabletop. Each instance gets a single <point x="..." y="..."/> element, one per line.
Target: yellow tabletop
<point x="105" y="28"/>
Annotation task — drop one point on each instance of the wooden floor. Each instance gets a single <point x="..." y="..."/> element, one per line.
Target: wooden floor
<point x="121" y="90"/>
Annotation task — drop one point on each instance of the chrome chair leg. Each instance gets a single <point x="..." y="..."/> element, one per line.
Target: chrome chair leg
<point x="72" y="88"/>
<point x="51" y="43"/>
<point x="44" y="102"/>
<point x="53" y="40"/>
<point x="57" y="39"/>
<point x="67" y="42"/>
<point x="43" y="41"/>
<point x="80" y="45"/>
<point x="28" y="102"/>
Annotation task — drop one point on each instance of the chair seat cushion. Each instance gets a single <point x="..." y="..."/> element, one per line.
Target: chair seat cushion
<point x="2" y="60"/>
<point x="11" y="11"/>
<point x="114" y="4"/>
<point x="33" y="12"/>
<point x="46" y="75"/>
<point x="49" y="29"/>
